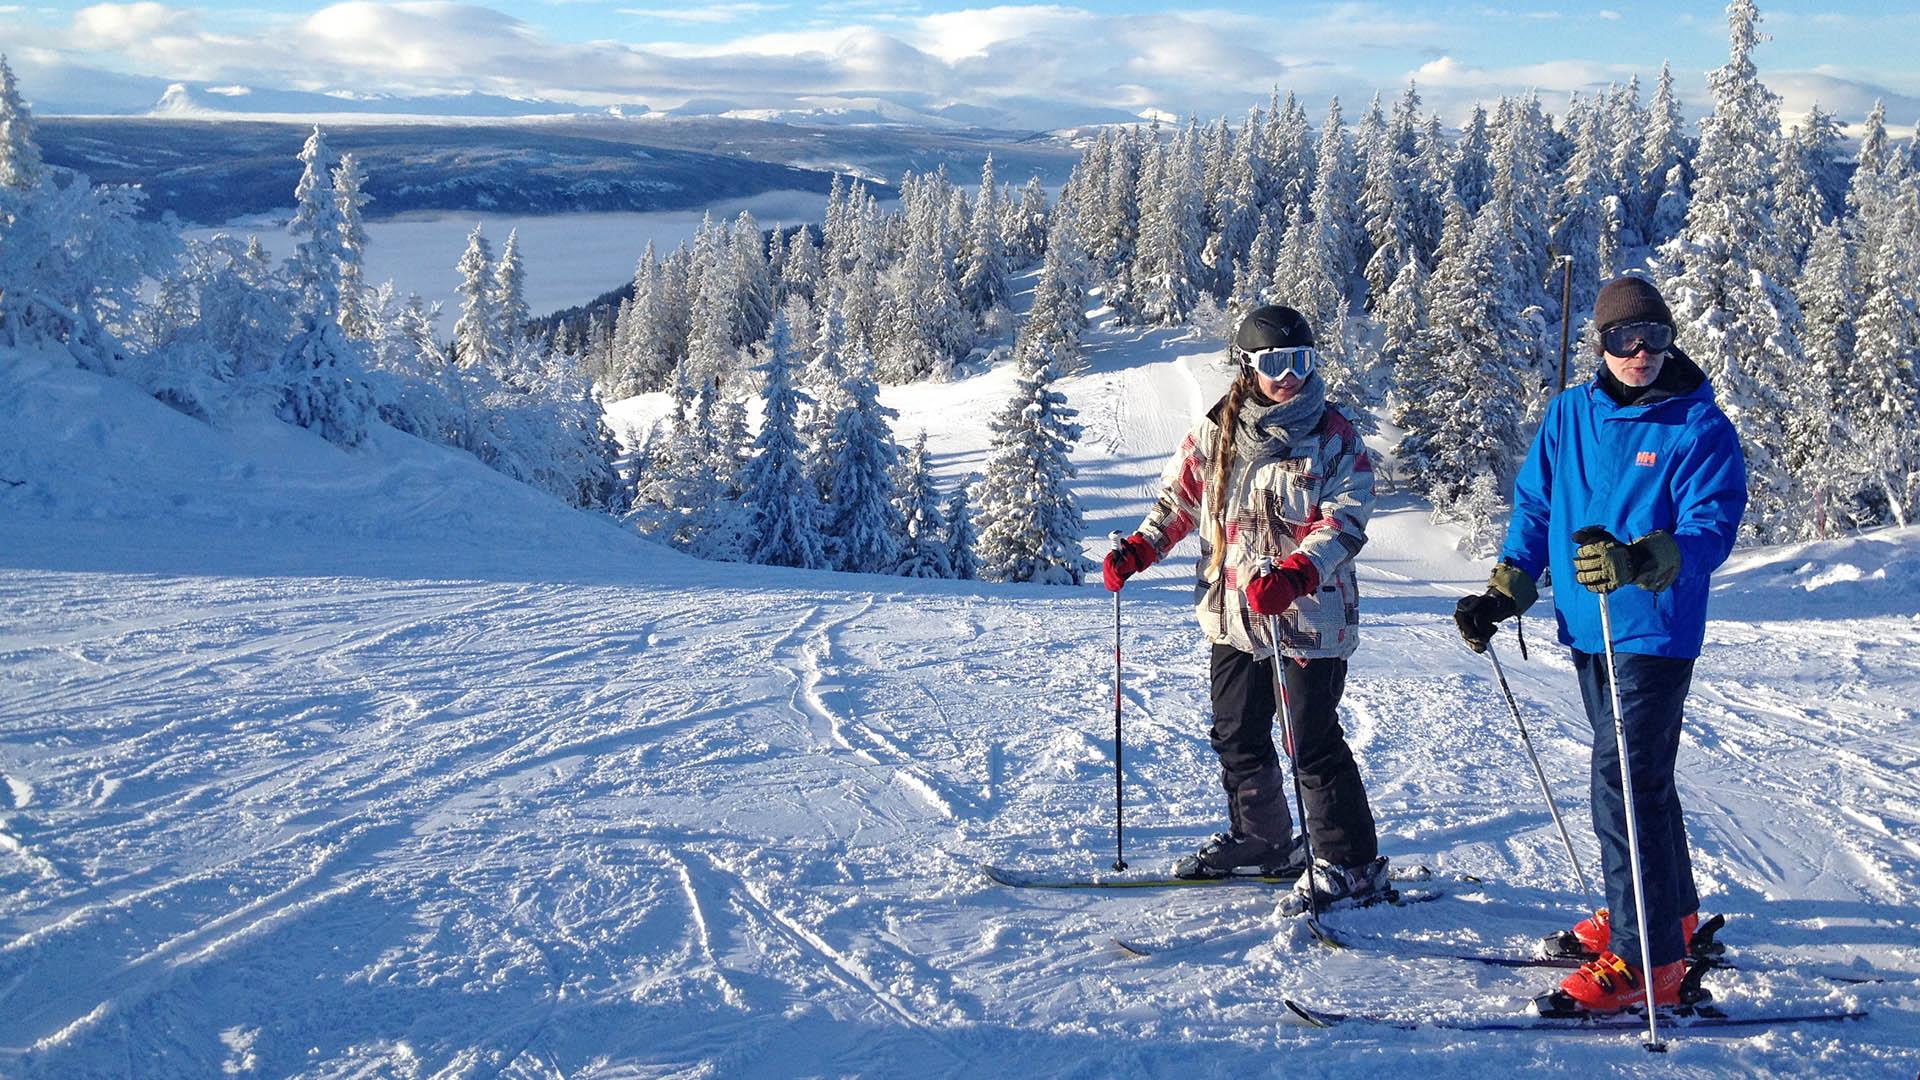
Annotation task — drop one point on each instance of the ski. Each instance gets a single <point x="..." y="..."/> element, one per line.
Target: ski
<point x="1702" y="1020"/>
<point x="1018" y="880"/>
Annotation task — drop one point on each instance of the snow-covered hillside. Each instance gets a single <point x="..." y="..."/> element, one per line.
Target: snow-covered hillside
<point x="375" y="763"/>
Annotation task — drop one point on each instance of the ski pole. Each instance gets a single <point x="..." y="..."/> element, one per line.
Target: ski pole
<point x="1539" y="773"/>
<point x="1285" y="702"/>
<point x="1633" y="836"/>
<point x="1119" y="797"/>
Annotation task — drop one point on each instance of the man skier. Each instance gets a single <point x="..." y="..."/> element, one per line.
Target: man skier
<point x="1633" y="488"/>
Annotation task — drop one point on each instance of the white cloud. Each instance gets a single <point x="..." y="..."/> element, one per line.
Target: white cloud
<point x="707" y="13"/>
<point x="1610" y="15"/>
<point x="112" y="27"/>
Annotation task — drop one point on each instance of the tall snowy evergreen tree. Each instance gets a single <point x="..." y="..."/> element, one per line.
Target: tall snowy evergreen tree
<point x="959" y="537"/>
<point x="1058" y="315"/>
<point x="316" y="222"/>
<point x="476" y="334"/>
<point x="72" y="256"/>
<point x="20" y="162"/>
<point x="862" y="523"/>
<point x="1028" y="522"/>
<point x="1168" y="273"/>
<point x="785" y="514"/>
<point x="1463" y="406"/>
<point x="350" y="198"/>
<point x="1735" y="318"/>
<point x="983" y="281"/>
<point x="923" y="541"/>
<point x="509" y="299"/>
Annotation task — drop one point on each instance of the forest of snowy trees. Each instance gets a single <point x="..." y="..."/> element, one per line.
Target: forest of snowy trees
<point x="1434" y="265"/>
<point x="1430" y="261"/>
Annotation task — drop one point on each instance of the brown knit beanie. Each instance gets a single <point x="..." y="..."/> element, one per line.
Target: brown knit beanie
<point x="1629" y="300"/>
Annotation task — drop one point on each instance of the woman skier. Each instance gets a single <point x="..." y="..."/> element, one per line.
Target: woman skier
<point x="1273" y="471"/>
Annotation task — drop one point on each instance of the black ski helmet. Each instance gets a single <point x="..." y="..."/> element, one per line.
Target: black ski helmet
<point x="1272" y="327"/>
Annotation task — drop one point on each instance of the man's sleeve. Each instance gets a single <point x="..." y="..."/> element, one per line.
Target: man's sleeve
<point x="1526" y="545"/>
<point x="1710" y="498"/>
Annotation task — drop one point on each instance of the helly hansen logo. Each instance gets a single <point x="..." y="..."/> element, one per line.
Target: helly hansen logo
<point x="1646" y="458"/>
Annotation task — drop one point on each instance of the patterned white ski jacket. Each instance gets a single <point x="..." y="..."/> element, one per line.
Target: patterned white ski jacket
<point x="1314" y="498"/>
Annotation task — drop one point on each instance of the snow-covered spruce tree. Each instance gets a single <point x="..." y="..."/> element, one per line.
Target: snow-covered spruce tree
<point x="713" y="332"/>
<point x="350" y="199"/>
<point x="923" y="328"/>
<point x="1334" y="210"/>
<point x="1822" y="452"/>
<point x="72" y="256"/>
<point x="1577" y="211"/>
<point x="326" y="390"/>
<point x="1873" y="190"/>
<point x="753" y="280"/>
<point x="1387" y="199"/>
<point x="783" y="507"/>
<point x="1736" y="319"/>
<point x="1626" y="122"/>
<point x="1027" y="519"/>
<point x="862" y="522"/>
<point x="1027" y="233"/>
<point x="476" y="334"/>
<point x="1403" y="324"/>
<point x="1253" y="278"/>
<point x="1288" y="158"/>
<point x="1472" y="179"/>
<point x="923" y="528"/>
<point x="317" y="256"/>
<point x="20" y="161"/>
<point x="984" y="292"/>
<point x="219" y="324"/>
<point x="509" y="292"/>
<point x="1883" y="397"/>
<point x="1167" y="272"/>
<point x="959" y="538"/>
<point x="1059" y="313"/>
<point x="1521" y="183"/>
<point x="1463" y="408"/>
<point x="1667" y="179"/>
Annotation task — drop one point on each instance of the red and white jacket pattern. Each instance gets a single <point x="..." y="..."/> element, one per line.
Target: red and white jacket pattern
<point x="1313" y="498"/>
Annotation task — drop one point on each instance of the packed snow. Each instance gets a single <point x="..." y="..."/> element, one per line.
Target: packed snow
<point x="331" y="763"/>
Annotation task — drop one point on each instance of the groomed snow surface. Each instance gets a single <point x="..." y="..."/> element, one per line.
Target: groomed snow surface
<point x="376" y="764"/>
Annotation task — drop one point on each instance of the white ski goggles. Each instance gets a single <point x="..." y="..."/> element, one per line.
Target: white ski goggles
<point x="1298" y="362"/>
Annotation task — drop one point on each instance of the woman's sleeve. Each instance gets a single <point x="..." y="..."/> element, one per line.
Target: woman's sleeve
<point x="1182" y="488"/>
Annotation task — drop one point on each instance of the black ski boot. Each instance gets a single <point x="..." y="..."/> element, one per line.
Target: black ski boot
<point x="1260" y="842"/>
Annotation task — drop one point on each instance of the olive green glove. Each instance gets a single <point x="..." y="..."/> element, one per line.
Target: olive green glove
<point x="1509" y="592"/>
<point x="1604" y="564"/>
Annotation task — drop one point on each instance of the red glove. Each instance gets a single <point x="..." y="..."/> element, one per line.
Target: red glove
<point x="1132" y="556"/>
<point x="1273" y="594"/>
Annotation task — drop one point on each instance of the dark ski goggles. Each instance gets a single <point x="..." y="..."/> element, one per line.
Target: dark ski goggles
<point x="1279" y="363"/>
<point x="1629" y="338"/>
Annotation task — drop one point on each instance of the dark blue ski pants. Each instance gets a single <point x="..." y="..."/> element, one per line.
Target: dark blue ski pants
<point x="1652" y="691"/>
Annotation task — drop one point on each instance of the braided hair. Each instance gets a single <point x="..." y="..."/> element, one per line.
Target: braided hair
<point x="1237" y="395"/>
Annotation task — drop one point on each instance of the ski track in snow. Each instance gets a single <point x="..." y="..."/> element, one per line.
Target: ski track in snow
<point x="534" y="815"/>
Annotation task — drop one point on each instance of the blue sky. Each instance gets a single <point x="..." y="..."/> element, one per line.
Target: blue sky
<point x="1039" y="63"/>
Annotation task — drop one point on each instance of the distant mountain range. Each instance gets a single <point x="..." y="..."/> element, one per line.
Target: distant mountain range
<point x="212" y="171"/>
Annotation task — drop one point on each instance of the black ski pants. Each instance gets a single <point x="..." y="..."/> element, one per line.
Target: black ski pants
<point x="1652" y="691"/>
<point x="1338" y="816"/>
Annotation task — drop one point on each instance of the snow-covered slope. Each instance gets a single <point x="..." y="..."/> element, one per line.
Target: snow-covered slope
<point x="337" y="764"/>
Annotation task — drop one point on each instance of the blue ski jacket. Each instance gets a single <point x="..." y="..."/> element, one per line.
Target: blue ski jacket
<point x="1670" y="461"/>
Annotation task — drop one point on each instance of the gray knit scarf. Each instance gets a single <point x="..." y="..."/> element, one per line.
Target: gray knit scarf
<point x="1268" y="427"/>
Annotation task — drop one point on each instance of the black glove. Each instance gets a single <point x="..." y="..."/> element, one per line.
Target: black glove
<point x="1604" y="564"/>
<point x="1509" y="592"/>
